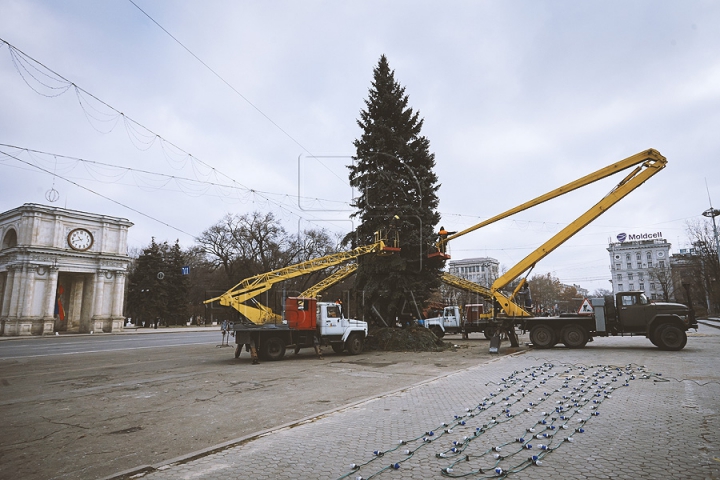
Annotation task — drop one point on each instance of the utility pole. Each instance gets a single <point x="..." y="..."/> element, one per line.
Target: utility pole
<point x="712" y="213"/>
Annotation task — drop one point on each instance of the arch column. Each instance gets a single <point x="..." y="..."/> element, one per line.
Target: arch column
<point x="18" y="282"/>
<point x="116" y="314"/>
<point x="30" y="323"/>
<point x="98" y="319"/>
<point x="10" y="284"/>
<point x="50" y="292"/>
<point x="17" y="324"/>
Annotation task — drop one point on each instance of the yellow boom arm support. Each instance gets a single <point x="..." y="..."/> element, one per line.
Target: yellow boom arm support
<point x="251" y="287"/>
<point x="642" y="157"/>
<point x="338" y="276"/>
<point x="648" y="164"/>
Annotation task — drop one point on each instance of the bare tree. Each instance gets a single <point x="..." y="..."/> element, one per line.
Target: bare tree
<point x="704" y="277"/>
<point x="662" y="276"/>
<point x="251" y="244"/>
<point x="546" y="292"/>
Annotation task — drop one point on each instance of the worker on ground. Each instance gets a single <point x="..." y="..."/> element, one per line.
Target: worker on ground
<point x="527" y="297"/>
<point x="253" y="352"/>
<point x="318" y="350"/>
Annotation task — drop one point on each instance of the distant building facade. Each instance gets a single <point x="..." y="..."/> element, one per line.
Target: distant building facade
<point x="684" y="266"/>
<point x="61" y="271"/>
<point x="483" y="270"/>
<point x="641" y="262"/>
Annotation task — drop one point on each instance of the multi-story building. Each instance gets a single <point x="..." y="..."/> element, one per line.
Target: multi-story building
<point x="641" y="262"/>
<point x="482" y="271"/>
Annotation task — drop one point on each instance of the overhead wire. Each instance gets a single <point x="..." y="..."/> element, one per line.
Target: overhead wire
<point x="247" y="100"/>
<point x="141" y="181"/>
<point x="99" y="194"/>
<point x="21" y="59"/>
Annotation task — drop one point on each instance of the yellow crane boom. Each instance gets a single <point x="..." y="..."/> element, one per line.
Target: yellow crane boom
<point x="338" y="276"/>
<point x="646" y="164"/>
<point x="467" y="285"/>
<point x="639" y="158"/>
<point x="251" y="287"/>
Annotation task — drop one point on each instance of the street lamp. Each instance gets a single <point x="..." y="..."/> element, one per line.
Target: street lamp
<point x="712" y="213"/>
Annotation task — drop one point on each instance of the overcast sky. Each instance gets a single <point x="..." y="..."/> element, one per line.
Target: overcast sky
<point x="518" y="98"/>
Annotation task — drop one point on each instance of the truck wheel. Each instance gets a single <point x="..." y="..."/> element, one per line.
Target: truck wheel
<point x="670" y="337"/>
<point x="542" y="336"/>
<point x="337" y="347"/>
<point x="273" y="348"/>
<point x="437" y="331"/>
<point x="489" y="332"/>
<point x="653" y="336"/>
<point x="354" y="344"/>
<point x="238" y="349"/>
<point x="574" y="336"/>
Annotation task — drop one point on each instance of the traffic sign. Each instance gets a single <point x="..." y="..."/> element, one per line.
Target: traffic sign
<point x="585" y="308"/>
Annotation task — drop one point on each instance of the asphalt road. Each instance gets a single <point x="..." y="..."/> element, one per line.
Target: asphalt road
<point x="75" y="345"/>
<point x="90" y="406"/>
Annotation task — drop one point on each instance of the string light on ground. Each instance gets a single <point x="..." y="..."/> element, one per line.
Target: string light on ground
<point x="482" y="452"/>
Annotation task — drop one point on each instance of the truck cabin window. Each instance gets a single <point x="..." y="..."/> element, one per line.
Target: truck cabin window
<point x="629" y="300"/>
<point x="333" y="312"/>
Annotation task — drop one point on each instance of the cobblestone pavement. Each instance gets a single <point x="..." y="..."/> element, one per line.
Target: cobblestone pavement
<point x="644" y="413"/>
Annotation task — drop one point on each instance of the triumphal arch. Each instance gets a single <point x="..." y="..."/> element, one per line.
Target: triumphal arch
<point x="61" y="271"/>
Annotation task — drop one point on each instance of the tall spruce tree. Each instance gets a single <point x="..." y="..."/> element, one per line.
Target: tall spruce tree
<point x="397" y="189"/>
<point x="176" y="285"/>
<point x="147" y="294"/>
<point x="156" y="287"/>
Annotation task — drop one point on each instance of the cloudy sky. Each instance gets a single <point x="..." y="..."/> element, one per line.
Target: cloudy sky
<point x="518" y="97"/>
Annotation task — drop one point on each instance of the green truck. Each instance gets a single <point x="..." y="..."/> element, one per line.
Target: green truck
<point x="623" y="314"/>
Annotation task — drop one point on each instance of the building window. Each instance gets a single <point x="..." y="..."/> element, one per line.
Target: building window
<point x="638" y="256"/>
<point x="652" y="287"/>
<point x="632" y="286"/>
<point x="618" y="266"/>
<point x="649" y="256"/>
<point x="620" y="287"/>
<point x="641" y="276"/>
<point x="630" y="276"/>
<point x="649" y="264"/>
<point x="629" y="265"/>
<point x="642" y="286"/>
<point x="619" y="277"/>
<point x="662" y="263"/>
<point x="627" y="257"/>
<point x="654" y="296"/>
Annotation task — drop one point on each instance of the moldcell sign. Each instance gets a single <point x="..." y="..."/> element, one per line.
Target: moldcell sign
<point x="638" y="236"/>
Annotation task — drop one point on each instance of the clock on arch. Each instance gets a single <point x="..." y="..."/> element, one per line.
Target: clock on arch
<point x="80" y="239"/>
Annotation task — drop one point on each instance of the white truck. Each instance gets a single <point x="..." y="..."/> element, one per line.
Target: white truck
<point x="453" y="320"/>
<point x="449" y="322"/>
<point x="307" y="323"/>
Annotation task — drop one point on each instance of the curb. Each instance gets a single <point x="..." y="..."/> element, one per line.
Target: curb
<point x="710" y="323"/>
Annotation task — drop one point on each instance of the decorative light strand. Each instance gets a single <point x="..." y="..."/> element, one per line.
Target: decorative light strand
<point x="577" y="391"/>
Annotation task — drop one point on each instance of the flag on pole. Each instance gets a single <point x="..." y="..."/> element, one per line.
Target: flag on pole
<point x="59" y="310"/>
